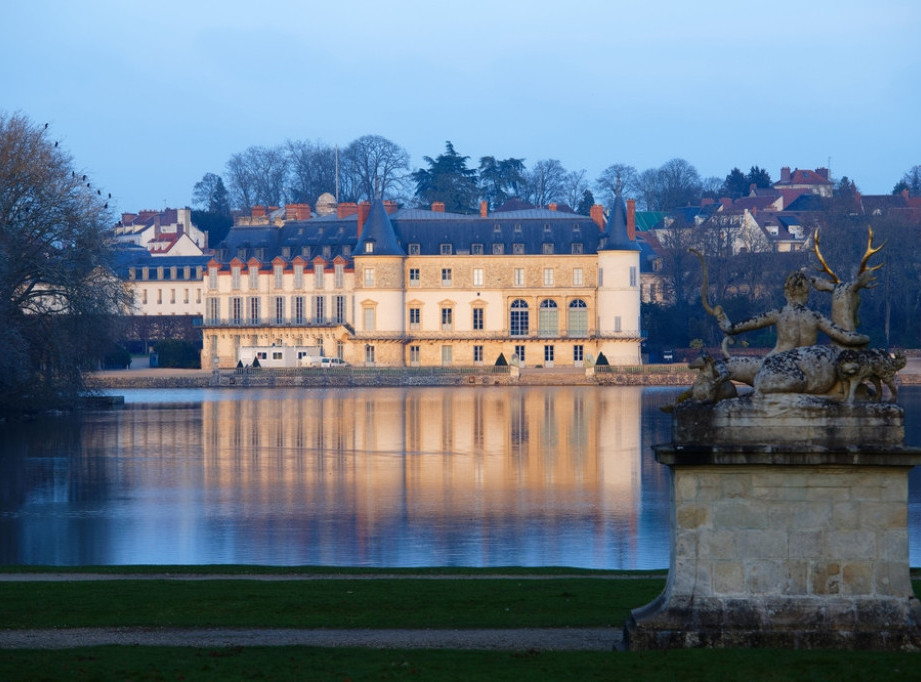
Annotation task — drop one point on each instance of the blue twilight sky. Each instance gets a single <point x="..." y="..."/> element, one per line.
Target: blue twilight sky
<point x="148" y="97"/>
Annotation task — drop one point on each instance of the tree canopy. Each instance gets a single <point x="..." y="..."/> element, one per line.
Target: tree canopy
<point x="449" y="180"/>
<point x="58" y="295"/>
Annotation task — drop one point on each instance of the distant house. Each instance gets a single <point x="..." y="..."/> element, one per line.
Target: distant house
<point x="794" y="183"/>
<point x="163" y="233"/>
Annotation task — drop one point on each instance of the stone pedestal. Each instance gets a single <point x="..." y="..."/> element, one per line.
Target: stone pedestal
<point x="786" y="536"/>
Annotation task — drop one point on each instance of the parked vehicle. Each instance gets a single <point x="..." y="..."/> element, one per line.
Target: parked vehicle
<point x="325" y="362"/>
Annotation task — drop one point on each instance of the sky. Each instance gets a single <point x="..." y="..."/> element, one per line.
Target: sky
<point x="148" y="97"/>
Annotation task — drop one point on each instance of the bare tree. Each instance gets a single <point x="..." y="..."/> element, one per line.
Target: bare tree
<point x="575" y="186"/>
<point x="257" y="176"/>
<point x="614" y="175"/>
<point x="58" y="297"/>
<point x="373" y="159"/>
<point x="546" y="182"/>
<point x="312" y="168"/>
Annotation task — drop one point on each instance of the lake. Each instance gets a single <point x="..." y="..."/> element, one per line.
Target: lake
<point x="388" y="477"/>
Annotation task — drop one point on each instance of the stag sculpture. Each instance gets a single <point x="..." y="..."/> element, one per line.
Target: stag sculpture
<point x="845" y="296"/>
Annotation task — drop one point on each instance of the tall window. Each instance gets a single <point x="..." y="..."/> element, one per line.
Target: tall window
<point x="518" y="318"/>
<point x="548" y="277"/>
<point x="319" y="309"/>
<point x="632" y="275"/>
<point x="278" y="274"/>
<point x="339" y="275"/>
<point x="369" y="319"/>
<point x="414" y="317"/>
<point x="446" y="277"/>
<point x="340" y="309"/>
<point x="236" y="310"/>
<point x="212" y="277"/>
<point x="578" y="354"/>
<point x="214" y="310"/>
<point x="478" y="355"/>
<point x="478" y="277"/>
<point x="548" y="356"/>
<point x="279" y="310"/>
<point x="617" y="323"/>
<point x="235" y="277"/>
<point x="414" y="277"/>
<point x="369" y="277"/>
<point x="447" y="319"/>
<point x="548" y="319"/>
<point x="253" y="277"/>
<point x="519" y="353"/>
<point x="519" y="277"/>
<point x="369" y="354"/>
<point x="447" y="355"/>
<point x="577" y="277"/>
<point x="414" y="355"/>
<point x="477" y="319"/>
<point x="298" y="275"/>
<point x="578" y="318"/>
<point x="253" y="306"/>
<point x="318" y="270"/>
<point x="299" y="316"/>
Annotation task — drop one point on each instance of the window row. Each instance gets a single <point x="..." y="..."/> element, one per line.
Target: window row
<point x="519" y="277"/>
<point x="519" y="318"/>
<point x="518" y="357"/>
<point x="254" y="276"/>
<point x="294" y="310"/>
<point x="173" y="297"/>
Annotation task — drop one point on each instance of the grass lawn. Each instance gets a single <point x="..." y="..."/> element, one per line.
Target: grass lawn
<point x="383" y="603"/>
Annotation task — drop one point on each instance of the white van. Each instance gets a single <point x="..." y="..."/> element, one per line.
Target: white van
<point x="331" y="363"/>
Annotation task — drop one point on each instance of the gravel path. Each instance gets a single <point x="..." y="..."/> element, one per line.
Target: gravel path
<point x="518" y="639"/>
<point x="525" y="639"/>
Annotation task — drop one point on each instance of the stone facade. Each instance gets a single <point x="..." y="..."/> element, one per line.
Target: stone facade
<point x="793" y="542"/>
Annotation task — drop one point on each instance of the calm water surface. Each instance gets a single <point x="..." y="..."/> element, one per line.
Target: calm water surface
<point x="530" y="476"/>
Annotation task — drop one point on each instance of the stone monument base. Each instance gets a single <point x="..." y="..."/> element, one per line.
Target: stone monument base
<point x="791" y="543"/>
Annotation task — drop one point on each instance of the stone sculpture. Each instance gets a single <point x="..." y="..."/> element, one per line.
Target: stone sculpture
<point x="796" y="364"/>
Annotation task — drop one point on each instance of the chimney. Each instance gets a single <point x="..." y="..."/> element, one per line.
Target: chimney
<point x="258" y="212"/>
<point x="438" y="207"/>
<point x="484" y="209"/>
<point x="785" y="174"/>
<point x="905" y="193"/>
<point x="346" y="209"/>
<point x="364" y="208"/>
<point x="390" y="206"/>
<point x="631" y="219"/>
<point x="822" y="172"/>
<point x="596" y="213"/>
<point x="551" y="207"/>
<point x="706" y="201"/>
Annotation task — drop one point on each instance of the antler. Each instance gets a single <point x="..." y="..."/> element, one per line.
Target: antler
<point x="703" y="282"/>
<point x="828" y="270"/>
<point x="870" y="252"/>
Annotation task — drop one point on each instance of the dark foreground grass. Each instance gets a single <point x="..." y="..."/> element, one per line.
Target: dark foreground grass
<point x="370" y="603"/>
<point x="305" y="663"/>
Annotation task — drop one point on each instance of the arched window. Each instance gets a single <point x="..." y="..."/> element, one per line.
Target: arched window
<point x="578" y="318"/>
<point x="548" y="318"/>
<point x="518" y="318"/>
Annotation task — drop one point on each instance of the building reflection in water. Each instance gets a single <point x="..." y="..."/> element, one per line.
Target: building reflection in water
<point x="476" y="476"/>
<point x="432" y="476"/>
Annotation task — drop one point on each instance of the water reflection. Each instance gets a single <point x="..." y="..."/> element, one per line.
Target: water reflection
<point x="363" y="477"/>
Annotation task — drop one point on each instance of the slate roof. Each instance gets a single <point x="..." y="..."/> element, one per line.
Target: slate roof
<point x="378" y="233"/>
<point x="616" y="237"/>
<point x="527" y="231"/>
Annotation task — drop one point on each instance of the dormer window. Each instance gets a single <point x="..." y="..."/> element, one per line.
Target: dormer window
<point x="369" y="246"/>
<point x="446" y="249"/>
<point x="517" y="249"/>
<point x="577" y="247"/>
<point x="305" y="252"/>
<point x="497" y="228"/>
<point x="414" y="250"/>
<point x="346" y="250"/>
<point x="476" y="249"/>
<point x="547" y="248"/>
<point x="517" y="228"/>
<point x="498" y="249"/>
